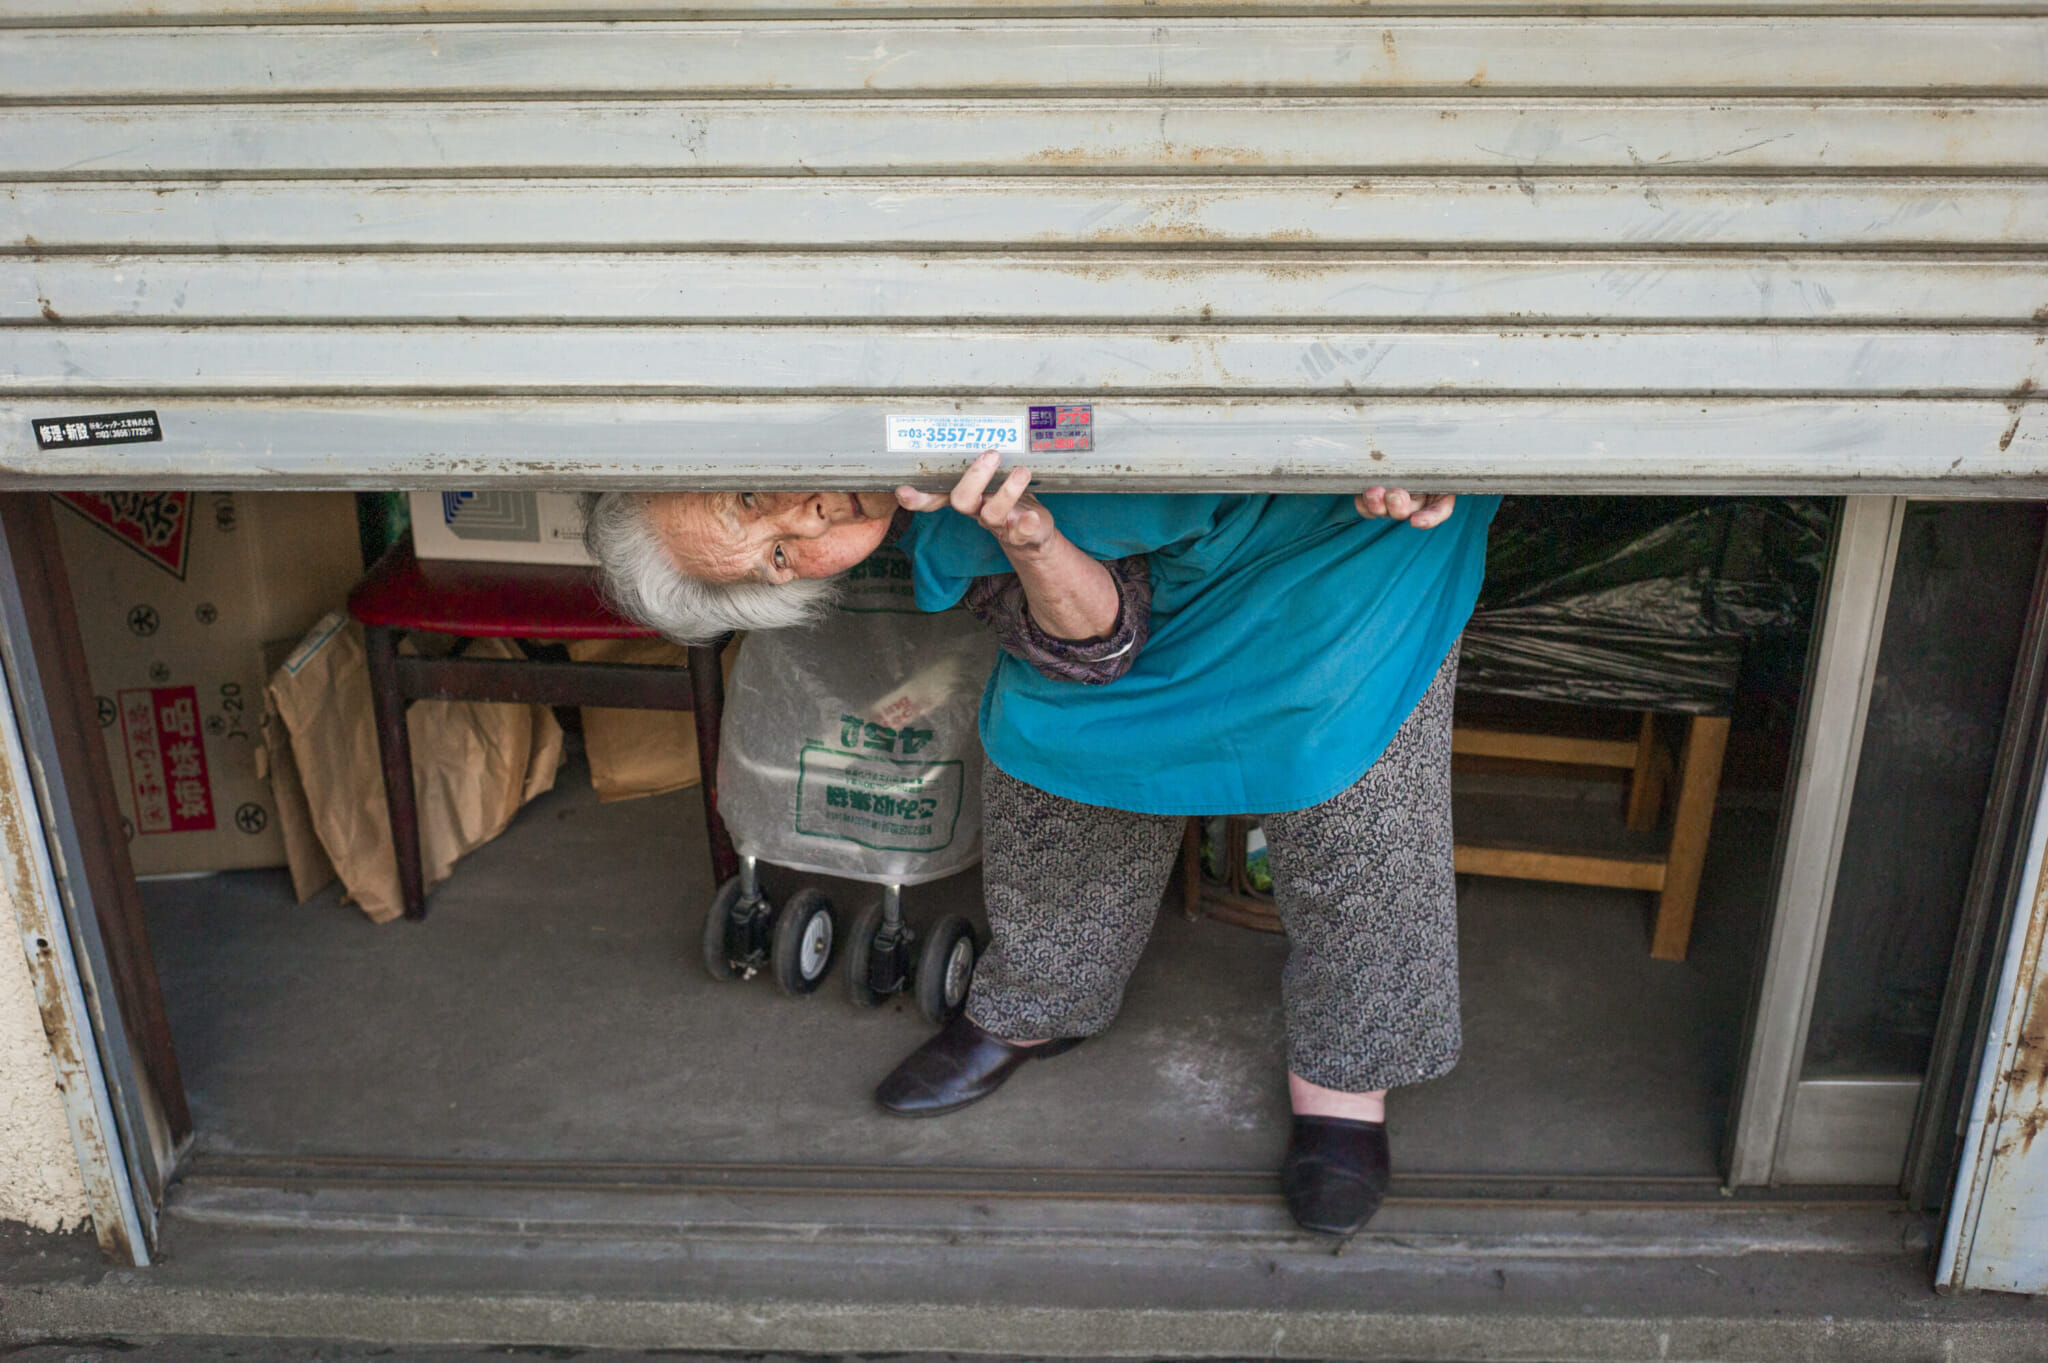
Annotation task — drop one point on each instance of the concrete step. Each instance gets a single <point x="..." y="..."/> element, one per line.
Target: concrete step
<point x="859" y="1206"/>
<point x="670" y="1258"/>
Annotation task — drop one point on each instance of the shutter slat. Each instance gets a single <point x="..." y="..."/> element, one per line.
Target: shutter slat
<point x="1492" y="444"/>
<point x="811" y="137"/>
<point x="1622" y="212"/>
<point x="1656" y="55"/>
<point x="117" y="12"/>
<point x="1073" y="362"/>
<point x="1136" y="287"/>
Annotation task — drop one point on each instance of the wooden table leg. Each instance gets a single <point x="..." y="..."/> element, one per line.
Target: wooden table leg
<point x="1699" y="780"/>
<point x="394" y="749"/>
<point x="707" y="689"/>
<point x="1646" y="785"/>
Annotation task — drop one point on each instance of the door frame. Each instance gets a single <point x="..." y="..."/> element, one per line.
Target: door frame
<point x="129" y="1128"/>
<point x="1828" y="745"/>
<point x="67" y="871"/>
<point x="1994" y="1239"/>
<point x="1990" y="904"/>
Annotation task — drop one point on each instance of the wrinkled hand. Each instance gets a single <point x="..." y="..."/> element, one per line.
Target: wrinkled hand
<point x="1421" y="510"/>
<point x="1018" y="520"/>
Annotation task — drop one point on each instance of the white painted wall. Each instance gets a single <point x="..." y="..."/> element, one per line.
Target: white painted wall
<point x="39" y="1181"/>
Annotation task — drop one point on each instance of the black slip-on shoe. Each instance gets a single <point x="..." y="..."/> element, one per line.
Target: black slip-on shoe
<point x="1335" y="1173"/>
<point x="960" y="1064"/>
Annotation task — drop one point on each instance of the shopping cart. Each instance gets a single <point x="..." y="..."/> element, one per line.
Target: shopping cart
<point x="851" y="749"/>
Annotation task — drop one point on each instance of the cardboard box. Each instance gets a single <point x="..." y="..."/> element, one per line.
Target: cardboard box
<point x="499" y="527"/>
<point x="177" y="593"/>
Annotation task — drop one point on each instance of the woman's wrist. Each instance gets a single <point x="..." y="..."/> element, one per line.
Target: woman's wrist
<point x="1070" y="595"/>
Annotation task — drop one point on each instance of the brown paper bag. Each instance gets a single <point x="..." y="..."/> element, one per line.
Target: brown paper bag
<point x="474" y="764"/>
<point x="311" y="870"/>
<point x="637" y="752"/>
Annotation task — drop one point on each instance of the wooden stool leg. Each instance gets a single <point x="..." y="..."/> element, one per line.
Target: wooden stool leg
<point x="1191" y="868"/>
<point x="707" y="693"/>
<point x="1699" y="780"/>
<point x="394" y="747"/>
<point x="1646" y="786"/>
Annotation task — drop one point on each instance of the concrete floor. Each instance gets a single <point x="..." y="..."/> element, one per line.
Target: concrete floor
<point x="551" y="1008"/>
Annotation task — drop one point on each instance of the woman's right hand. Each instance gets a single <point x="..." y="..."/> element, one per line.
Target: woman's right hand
<point x="1018" y="520"/>
<point x="1069" y="595"/>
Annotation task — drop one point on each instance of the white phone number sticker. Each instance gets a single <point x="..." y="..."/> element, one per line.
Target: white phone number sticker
<point x="944" y="434"/>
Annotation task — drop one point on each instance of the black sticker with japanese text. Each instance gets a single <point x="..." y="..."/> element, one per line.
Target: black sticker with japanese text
<point x="108" y="428"/>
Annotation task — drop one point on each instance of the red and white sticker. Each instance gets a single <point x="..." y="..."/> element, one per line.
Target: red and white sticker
<point x="166" y="759"/>
<point x="156" y="525"/>
<point x="1058" y="429"/>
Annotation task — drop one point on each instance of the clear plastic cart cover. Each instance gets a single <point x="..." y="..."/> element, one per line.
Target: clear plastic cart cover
<point x="852" y="748"/>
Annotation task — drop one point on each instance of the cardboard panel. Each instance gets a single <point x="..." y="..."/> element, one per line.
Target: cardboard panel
<point x="177" y="593"/>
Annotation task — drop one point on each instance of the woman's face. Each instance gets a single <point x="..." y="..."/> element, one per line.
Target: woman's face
<point x="772" y="537"/>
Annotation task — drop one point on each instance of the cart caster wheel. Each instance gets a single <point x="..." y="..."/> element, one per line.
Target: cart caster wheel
<point x="804" y="930"/>
<point x="716" y="964"/>
<point x="860" y="952"/>
<point x="945" y="968"/>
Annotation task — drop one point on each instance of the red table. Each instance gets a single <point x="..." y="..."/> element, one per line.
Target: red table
<point x="520" y="601"/>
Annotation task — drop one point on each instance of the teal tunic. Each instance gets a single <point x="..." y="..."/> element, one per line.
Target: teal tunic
<point x="1290" y="638"/>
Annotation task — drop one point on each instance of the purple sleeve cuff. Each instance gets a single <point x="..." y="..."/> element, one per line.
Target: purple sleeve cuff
<point x="998" y="601"/>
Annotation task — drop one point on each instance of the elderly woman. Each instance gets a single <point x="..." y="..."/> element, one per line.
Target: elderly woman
<point x="1291" y="656"/>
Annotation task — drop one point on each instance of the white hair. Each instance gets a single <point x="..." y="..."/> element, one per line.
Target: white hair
<point x="642" y="580"/>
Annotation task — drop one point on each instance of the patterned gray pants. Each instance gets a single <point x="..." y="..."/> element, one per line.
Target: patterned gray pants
<point x="1364" y="884"/>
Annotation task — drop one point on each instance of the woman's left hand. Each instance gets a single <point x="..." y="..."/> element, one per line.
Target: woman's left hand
<point x="1018" y="520"/>
<point x="1420" y="509"/>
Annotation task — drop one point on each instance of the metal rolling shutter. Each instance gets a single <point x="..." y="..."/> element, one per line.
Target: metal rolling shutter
<point x="1663" y="245"/>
